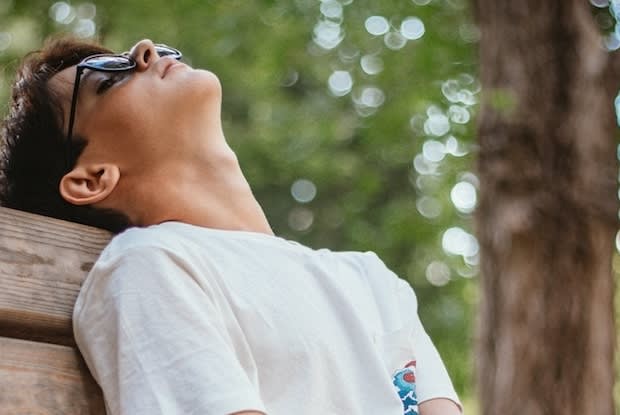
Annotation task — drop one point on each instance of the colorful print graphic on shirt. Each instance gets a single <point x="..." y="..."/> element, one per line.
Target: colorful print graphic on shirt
<point x="404" y="381"/>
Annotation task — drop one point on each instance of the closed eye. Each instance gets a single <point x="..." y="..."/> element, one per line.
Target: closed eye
<point x="108" y="82"/>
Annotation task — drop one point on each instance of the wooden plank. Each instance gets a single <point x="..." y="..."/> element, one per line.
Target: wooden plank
<point x="43" y="262"/>
<point x="40" y="378"/>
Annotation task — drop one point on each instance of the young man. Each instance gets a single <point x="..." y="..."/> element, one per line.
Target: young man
<point x="198" y="307"/>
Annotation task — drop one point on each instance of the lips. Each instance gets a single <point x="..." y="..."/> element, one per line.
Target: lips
<point x="169" y="65"/>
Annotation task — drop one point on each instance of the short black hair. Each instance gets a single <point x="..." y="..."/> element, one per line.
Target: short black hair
<point x="32" y="140"/>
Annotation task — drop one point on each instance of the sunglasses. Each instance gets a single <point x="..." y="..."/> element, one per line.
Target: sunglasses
<point x="105" y="63"/>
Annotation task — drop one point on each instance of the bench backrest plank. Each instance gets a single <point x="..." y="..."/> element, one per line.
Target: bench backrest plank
<point x="43" y="263"/>
<point x="41" y="378"/>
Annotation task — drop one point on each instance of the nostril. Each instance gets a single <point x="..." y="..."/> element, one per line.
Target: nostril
<point x="147" y="55"/>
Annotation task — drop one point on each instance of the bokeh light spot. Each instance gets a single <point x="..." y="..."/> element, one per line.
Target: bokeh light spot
<point x="327" y="34"/>
<point x="611" y="41"/>
<point x="303" y="190"/>
<point x="467" y="97"/>
<point x="437" y="125"/>
<point x="377" y="25"/>
<point x="340" y="83"/>
<point x="372" y="97"/>
<point x="429" y="207"/>
<point x="412" y="28"/>
<point x="331" y="9"/>
<point x="458" y="114"/>
<point x="62" y="12"/>
<point x="600" y="3"/>
<point x="450" y="90"/>
<point x="300" y="219"/>
<point x="438" y="273"/>
<point x="456" y="241"/>
<point x="289" y="78"/>
<point x="371" y="64"/>
<point x="5" y="40"/>
<point x="394" y="40"/>
<point x="423" y="166"/>
<point x="433" y="151"/>
<point x="463" y="196"/>
<point x="85" y="28"/>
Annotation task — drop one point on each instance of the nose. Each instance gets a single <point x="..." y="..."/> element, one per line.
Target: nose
<point x="144" y="54"/>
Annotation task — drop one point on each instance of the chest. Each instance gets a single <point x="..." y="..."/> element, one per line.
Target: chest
<point x="299" y="305"/>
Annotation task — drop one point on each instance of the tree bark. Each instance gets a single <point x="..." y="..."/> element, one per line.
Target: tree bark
<point x="548" y="210"/>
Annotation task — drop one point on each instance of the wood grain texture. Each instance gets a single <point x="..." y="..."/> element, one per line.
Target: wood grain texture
<point x="43" y="262"/>
<point x="39" y="378"/>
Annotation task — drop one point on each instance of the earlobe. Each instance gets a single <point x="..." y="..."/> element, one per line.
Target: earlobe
<point x="86" y="185"/>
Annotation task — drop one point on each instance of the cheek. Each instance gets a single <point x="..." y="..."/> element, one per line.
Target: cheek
<point x="119" y="131"/>
<point x="114" y="122"/>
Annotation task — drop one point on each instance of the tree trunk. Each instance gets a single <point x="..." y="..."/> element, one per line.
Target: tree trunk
<point x="548" y="210"/>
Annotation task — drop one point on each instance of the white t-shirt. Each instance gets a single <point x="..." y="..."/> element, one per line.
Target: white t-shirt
<point x="180" y="319"/>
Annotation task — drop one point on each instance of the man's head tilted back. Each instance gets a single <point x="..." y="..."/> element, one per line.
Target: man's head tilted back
<point x="135" y="136"/>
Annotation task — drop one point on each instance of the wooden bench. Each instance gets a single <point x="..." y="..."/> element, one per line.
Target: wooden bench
<point x="43" y="262"/>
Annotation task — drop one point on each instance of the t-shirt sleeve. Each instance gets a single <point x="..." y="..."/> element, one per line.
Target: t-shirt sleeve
<point x="433" y="380"/>
<point x="155" y="341"/>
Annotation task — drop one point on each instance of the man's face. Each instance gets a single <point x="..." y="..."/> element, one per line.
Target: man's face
<point x="139" y="118"/>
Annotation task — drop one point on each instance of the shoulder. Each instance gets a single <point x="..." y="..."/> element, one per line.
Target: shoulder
<point x="390" y="289"/>
<point x="140" y="259"/>
<point x="167" y="244"/>
<point x="153" y="238"/>
<point x="132" y="256"/>
<point x="378" y="274"/>
<point x="382" y="281"/>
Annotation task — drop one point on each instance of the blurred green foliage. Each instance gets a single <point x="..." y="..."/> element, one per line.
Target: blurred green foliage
<point x="378" y="153"/>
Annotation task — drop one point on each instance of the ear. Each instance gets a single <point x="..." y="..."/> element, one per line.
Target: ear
<point x="88" y="184"/>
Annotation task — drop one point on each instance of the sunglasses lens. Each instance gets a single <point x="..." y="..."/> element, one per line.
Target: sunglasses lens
<point x="163" y="50"/>
<point x="110" y="62"/>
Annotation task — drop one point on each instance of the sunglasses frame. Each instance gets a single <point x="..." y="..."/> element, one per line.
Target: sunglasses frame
<point x="85" y="64"/>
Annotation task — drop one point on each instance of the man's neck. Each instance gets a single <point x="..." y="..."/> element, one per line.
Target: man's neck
<point x="214" y="196"/>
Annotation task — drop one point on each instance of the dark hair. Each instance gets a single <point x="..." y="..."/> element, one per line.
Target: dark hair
<point x="32" y="140"/>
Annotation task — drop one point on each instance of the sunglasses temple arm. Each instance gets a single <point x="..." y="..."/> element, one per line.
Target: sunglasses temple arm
<point x="76" y="88"/>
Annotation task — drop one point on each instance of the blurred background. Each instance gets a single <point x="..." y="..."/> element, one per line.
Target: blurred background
<point x="352" y="119"/>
